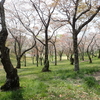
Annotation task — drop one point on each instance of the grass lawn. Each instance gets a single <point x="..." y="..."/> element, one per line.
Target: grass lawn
<point x="62" y="83"/>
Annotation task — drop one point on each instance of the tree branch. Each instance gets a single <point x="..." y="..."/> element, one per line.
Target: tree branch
<point x="85" y="23"/>
<point x="83" y="12"/>
<point x="2" y="2"/>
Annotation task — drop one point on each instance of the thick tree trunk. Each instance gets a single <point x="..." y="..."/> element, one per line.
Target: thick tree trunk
<point x="18" y="63"/>
<point x="12" y="79"/>
<point x="46" y="61"/>
<point x="75" y="48"/>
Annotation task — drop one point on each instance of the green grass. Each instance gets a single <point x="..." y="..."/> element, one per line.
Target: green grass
<point x="62" y="83"/>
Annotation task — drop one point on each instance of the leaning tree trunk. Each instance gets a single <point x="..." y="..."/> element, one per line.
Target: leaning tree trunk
<point x="12" y="79"/>
<point x="90" y="60"/>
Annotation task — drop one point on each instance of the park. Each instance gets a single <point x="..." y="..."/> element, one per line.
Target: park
<point x="49" y="50"/>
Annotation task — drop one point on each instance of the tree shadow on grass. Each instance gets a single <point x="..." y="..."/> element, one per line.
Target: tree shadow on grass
<point x="17" y="94"/>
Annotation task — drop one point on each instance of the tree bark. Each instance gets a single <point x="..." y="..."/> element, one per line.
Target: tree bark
<point x="55" y="54"/>
<point x="24" y="59"/>
<point x="75" y="48"/>
<point x="18" y="62"/>
<point x="99" y="54"/>
<point x="90" y="60"/>
<point x="37" y="57"/>
<point x="71" y="59"/>
<point x="12" y="79"/>
<point x="46" y="61"/>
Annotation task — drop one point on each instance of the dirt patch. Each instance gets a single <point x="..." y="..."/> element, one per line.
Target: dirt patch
<point x="97" y="75"/>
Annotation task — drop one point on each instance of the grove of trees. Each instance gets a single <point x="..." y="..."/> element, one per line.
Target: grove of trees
<point x="47" y="29"/>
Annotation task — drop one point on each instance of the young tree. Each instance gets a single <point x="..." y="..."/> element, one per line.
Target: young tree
<point x="12" y="79"/>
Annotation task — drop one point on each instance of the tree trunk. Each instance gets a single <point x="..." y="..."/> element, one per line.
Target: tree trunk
<point x="82" y="56"/>
<point x="55" y="54"/>
<point x="37" y="57"/>
<point x="37" y="60"/>
<point x="41" y="58"/>
<point x="71" y="59"/>
<point x="12" y="79"/>
<point x="46" y="61"/>
<point x="32" y="57"/>
<point x="75" y="49"/>
<point x="99" y="54"/>
<point x="60" y="57"/>
<point x="18" y="62"/>
<point x="90" y="60"/>
<point x="25" y="60"/>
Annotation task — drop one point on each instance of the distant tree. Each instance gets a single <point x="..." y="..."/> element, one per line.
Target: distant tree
<point x="88" y="53"/>
<point x="66" y="40"/>
<point x="60" y="48"/>
<point x="19" y="31"/>
<point x="53" y="42"/>
<point x="97" y="27"/>
<point x="82" y="48"/>
<point x="19" y="43"/>
<point x="12" y="79"/>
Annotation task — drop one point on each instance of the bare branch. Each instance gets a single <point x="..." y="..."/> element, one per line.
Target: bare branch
<point x="55" y="31"/>
<point x="85" y="23"/>
<point x="83" y="35"/>
<point x="83" y="12"/>
<point x="41" y="17"/>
